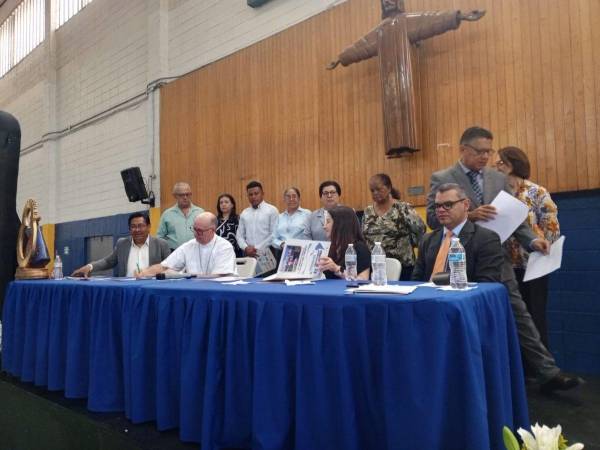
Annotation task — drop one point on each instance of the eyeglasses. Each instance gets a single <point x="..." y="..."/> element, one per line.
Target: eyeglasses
<point x="201" y="231"/>
<point x="329" y="193"/>
<point x="137" y="227"/>
<point x="482" y="151"/>
<point x="447" y="206"/>
<point x="183" y="194"/>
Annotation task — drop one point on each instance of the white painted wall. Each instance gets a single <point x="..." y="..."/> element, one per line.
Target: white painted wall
<point x="103" y="56"/>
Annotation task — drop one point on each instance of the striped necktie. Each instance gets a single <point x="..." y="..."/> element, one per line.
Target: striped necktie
<point x="475" y="185"/>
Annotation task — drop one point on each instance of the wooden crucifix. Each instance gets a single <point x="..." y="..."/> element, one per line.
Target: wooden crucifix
<point x="391" y="40"/>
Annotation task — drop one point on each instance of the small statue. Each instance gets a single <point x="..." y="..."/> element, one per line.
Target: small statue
<point x="32" y="252"/>
<point x="391" y="40"/>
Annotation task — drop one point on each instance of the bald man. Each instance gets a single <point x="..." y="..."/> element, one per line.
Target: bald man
<point x="175" y="225"/>
<point x="206" y="254"/>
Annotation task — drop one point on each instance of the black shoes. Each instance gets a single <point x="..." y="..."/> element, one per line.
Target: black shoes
<point x="560" y="382"/>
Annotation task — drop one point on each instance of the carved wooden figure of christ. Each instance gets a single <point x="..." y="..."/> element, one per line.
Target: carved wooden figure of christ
<point x="391" y="40"/>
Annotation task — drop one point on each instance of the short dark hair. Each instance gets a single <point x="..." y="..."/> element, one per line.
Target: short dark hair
<point x="518" y="159"/>
<point x="452" y="187"/>
<point x="474" y="133"/>
<point x="335" y="184"/>
<point x="254" y="184"/>
<point x="138" y="214"/>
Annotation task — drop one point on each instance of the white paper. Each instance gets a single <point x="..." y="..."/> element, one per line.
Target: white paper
<point x="297" y="282"/>
<point x="450" y="288"/>
<point x="387" y="289"/>
<point x="539" y="264"/>
<point x="299" y="260"/>
<point x="510" y="213"/>
<point x="265" y="262"/>
<point x="236" y="283"/>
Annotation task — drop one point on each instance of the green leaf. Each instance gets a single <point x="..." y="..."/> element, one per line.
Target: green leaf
<point x="510" y="441"/>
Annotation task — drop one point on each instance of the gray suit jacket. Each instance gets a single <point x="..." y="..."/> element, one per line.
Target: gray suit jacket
<point x="313" y="228"/>
<point x="493" y="183"/>
<point x="157" y="252"/>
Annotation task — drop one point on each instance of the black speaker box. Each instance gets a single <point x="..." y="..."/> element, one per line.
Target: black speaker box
<point x="134" y="184"/>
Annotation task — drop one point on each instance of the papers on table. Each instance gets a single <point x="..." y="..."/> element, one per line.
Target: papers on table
<point x="511" y="212"/>
<point x="297" y="282"/>
<point x="539" y="264"/>
<point x="397" y="289"/>
<point x="299" y="260"/>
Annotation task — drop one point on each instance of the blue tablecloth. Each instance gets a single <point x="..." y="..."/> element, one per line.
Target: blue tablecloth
<point x="266" y="366"/>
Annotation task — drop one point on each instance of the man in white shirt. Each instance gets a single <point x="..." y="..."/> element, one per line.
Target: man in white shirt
<point x="257" y="222"/>
<point x="206" y="254"/>
<point x="133" y="254"/>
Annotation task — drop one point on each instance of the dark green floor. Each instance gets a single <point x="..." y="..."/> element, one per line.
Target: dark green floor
<point x="32" y="418"/>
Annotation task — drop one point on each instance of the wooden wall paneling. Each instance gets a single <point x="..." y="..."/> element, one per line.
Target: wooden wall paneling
<point x="590" y="24"/>
<point x="578" y="100"/>
<point x="528" y="71"/>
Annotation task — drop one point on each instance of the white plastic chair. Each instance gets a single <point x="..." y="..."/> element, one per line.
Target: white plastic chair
<point x="246" y="267"/>
<point x="393" y="268"/>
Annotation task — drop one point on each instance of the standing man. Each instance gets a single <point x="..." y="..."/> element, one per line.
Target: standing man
<point x="206" y="254"/>
<point x="132" y="254"/>
<point x="176" y="223"/>
<point x="330" y="193"/>
<point x="257" y="222"/>
<point x="481" y="185"/>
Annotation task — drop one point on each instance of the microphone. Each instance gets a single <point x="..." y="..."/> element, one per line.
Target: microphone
<point x="174" y="276"/>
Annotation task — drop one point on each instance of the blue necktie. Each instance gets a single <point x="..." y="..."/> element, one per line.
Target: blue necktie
<point x="475" y="185"/>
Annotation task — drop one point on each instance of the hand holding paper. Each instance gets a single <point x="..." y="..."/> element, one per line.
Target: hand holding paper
<point x="540" y="265"/>
<point x="510" y="213"/>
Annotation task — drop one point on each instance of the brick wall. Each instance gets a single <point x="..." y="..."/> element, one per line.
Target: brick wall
<point x="574" y="297"/>
<point x="104" y="55"/>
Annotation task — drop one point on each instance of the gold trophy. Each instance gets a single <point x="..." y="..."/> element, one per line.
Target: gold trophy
<point x="32" y="252"/>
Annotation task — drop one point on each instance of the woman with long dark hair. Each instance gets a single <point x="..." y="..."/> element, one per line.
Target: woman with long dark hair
<point x="392" y="222"/>
<point x="343" y="228"/>
<point x="227" y="221"/>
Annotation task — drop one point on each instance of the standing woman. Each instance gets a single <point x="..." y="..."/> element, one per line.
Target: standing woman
<point x="292" y="221"/>
<point x="227" y="221"/>
<point x="543" y="219"/>
<point x="392" y="222"/>
<point x="342" y="228"/>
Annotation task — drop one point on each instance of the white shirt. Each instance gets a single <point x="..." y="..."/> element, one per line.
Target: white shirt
<point x="256" y="226"/>
<point x="215" y="257"/>
<point x="139" y="257"/>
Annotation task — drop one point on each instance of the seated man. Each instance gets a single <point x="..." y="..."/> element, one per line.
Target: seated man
<point x="132" y="254"/>
<point x="206" y="254"/>
<point x="482" y="246"/>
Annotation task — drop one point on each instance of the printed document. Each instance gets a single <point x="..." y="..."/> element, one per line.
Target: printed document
<point x="299" y="260"/>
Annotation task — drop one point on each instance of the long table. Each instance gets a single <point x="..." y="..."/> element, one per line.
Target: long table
<point x="267" y="366"/>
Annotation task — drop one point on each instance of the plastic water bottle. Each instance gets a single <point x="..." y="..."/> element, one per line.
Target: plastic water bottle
<point x="457" y="260"/>
<point x="57" y="272"/>
<point x="350" y="262"/>
<point x="379" y="275"/>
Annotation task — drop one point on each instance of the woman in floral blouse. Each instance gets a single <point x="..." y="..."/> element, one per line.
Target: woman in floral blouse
<point x="542" y="218"/>
<point x="392" y="222"/>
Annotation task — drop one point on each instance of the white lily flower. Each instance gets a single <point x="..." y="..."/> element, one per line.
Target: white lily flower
<point x="575" y="447"/>
<point x="545" y="438"/>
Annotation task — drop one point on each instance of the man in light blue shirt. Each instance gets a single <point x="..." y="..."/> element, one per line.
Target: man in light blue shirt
<point x="291" y="222"/>
<point x="176" y="223"/>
